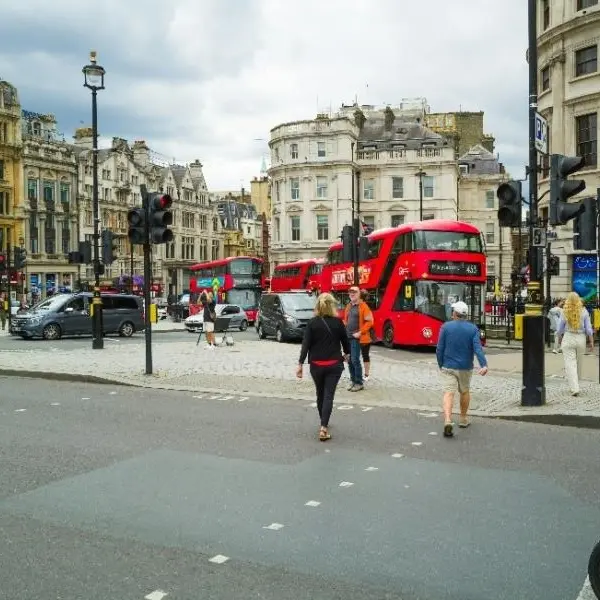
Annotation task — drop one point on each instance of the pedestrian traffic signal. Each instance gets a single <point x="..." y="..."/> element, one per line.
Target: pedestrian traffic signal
<point x="585" y="226"/>
<point x="363" y="248"/>
<point x="509" y="204"/>
<point x="561" y="189"/>
<point x="136" y="218"/>
<point x="109" y="249"/>
<point x="159" y="218"/>
<point x="553" y="265"/>
<point x="20" y="258"/>
<point x="85" y="251"/>
<point x="348" y="243"/>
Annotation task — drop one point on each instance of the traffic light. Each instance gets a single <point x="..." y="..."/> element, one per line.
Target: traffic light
<point x="109" y="250"/>
<point x="75" y="258"/>
<point x="348" y="243"/>
<point x="553" y="265"/>
<point x="160" y="218"/>
<point x="509" y="204"/>
<point x="136" y="217"/>
<point x="585" y="226"/>
<point x="2" y="263"/>
<point x="85" y="251"/>
<point x="363" y="248"/>
<point x="20" y="258"/>
<point x="561" y="189"/>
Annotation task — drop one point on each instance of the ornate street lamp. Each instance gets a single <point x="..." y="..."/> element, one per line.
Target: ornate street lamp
<point x="94" y="80"/>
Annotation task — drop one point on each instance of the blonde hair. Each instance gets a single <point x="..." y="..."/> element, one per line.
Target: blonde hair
<point x="572" y="310"/>
<point x="326" y="306"/>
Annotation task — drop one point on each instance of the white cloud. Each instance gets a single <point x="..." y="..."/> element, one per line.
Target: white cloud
<point x="205" y="78"/>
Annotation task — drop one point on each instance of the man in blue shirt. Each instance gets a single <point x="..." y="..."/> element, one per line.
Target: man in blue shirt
<point x="457" y="346"/>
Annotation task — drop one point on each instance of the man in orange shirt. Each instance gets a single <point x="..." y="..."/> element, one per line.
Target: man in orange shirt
<point x="358" y="319"/>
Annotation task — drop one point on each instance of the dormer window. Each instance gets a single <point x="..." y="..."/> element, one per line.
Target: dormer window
<point x="428" y="144"/>
<point x="37" y="128"/>
<point x="464" y="169"/>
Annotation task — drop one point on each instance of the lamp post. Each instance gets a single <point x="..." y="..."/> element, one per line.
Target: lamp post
<point x="420" y="174"/>
<point x="94" y="80"/>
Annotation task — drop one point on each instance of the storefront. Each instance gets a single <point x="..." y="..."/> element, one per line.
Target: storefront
<point x="42" y="285"/>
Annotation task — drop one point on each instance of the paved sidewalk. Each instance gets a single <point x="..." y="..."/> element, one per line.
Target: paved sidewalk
<point x="266" y="369"/>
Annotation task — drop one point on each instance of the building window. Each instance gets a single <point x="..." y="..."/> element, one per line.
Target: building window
<point x="203" y="249"/>
<point x="295" y="188"/>
<point x="369" y="189"/>
<point x="64" y="193"/>
<point x="545" y="79"/>
<point x="428" y="217"/>
<point x="4" y="203"/>
<point x="295" y="225"/>
<point x="322" y="227"/>
<point x="66" y="239"/>
<point x="1" y="170"/>
<point x="586" y="129"/>
<point x="294" y="150"/>
<point x="582" y="4"/>
<point x="490" y="199"/>
<point x="321" y="152"/>
<point x="428" y="181"/>
<point x="33" y="233"/>
<point x="277" y="229"/>
<point x="398" y="220"/>
<point x="397" y="187"/>
<point x="278" y="191"/>
<point x="545" y="14"/>
<point x="215" y="224"/>
<point x="215" y="250"/>
<point x="368" y="222"/>
<point x="586" y="61"/>
<point x="48" y="191"/>
<point x="489" y="233"/>
<point x="50" y="234"/>
<point x="322" y="188"/>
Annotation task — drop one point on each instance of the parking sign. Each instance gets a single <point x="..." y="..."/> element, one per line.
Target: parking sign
<point x="541" y="134"/>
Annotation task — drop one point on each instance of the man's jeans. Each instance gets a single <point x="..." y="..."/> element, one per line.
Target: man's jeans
<point x="355" y="367"/>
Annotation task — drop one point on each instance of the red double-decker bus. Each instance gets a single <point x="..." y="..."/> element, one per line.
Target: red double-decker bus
<point x="234" y="280"/>
<point x="299" y="275"/>
<point x="413" y="273"/>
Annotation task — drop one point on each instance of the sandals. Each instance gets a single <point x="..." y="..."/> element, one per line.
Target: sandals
<point x="324" y="435"/>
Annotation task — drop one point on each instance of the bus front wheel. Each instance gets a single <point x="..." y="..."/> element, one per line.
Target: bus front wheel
<point x="388" y="335"/>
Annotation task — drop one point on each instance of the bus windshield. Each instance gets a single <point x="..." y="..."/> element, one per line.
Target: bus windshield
<point x="456" y="241"/>
<point x="435" y="298"/>
<point x="247" y="299"/>
<point x="245" y="266"/>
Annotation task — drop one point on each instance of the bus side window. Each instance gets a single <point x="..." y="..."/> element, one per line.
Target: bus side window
<point x="404" y="299"/>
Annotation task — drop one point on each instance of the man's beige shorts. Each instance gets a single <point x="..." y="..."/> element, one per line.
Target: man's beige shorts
<point x="209" y="327"/>
<point x="455" y="380"/>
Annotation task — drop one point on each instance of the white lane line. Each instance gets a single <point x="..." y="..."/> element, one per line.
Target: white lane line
<point x="198" y="397"/>
<point x="312" y="503"/>
<point x="428" y="415"/>
<point x="55" y="404"/>
<point x="20" y="410"/>
<point x="226" y="398"/>
<point x="215" y="397"/>
<point x="345" y="407"/>
<point x="346" y="484"/>
<point x="156" y="595"/>
<point x="274" y="526"/>
<point x="113" y="393"/>
<point x="586" y="593"/>
<point x="366" y="408"/>
<point x="397" y="455"/>
<point x="372" y="469"/>
<point x="219" y="559"/>
<point x="244" y="398"/>
<point x="312" y="405"/>
<point x="86" y="398"/>
<point x="416" y="443"/>
<point x="432" y="433"/>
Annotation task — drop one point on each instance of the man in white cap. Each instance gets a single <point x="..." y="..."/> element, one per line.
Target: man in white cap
<point x="458" y="344"/>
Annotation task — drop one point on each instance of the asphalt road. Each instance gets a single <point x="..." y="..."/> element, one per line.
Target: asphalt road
<point x="116" y="492"/>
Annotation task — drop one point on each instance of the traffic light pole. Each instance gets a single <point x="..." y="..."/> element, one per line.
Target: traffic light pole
<point x="147" y="277"/>
<point x="356" y="230"/>
<point x="8" y="261"/>
<point x="533" y="391"/>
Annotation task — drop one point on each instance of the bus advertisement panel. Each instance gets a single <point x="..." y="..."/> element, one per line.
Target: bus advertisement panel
<point x="235" y="280"/>
<point x="298" y="275"/>
<point x="413" y="274"/>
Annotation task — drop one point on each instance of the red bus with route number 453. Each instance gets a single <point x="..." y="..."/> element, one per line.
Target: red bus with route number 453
<point x="413" y="273"/>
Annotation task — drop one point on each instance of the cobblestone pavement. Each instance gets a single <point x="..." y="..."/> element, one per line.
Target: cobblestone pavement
<point x="266" y="369"/>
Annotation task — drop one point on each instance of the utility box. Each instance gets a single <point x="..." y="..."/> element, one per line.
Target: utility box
<point x="153" y="313"/>
<point x="519" y="327"/>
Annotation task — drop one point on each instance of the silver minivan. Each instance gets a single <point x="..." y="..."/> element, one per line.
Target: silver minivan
<point x="69" y="314"/>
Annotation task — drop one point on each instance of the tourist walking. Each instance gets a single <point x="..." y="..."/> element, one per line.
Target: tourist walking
<point x="459" y="343"/>
<point x="358" y="319"/>
<point x="325" y="339"/>
<point x="209" y="318"/>
<point x="573" y="329"/>
<point x="554" y="315"/>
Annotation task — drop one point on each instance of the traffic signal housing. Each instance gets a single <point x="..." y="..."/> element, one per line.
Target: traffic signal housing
<point x="160" y="218"/>
<point x="348" y="243"/>
<point x="136" y="219"/>
<point x="109" y="249"/>
<point x="561" y="189"/>
<point x="585" y="226"/>
<point x="509" y="204"/>
<point x="20" y="258"/>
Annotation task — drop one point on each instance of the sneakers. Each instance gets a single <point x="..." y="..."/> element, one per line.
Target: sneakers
<point x="350" y="387"/>
<point x="366" y="379"/>
<point x="357" y="387"/>
<point x="449" y="430"/>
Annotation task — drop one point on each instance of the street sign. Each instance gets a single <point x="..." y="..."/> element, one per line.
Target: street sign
<point x="541" y="134"/>
<point x="539" y="237"/>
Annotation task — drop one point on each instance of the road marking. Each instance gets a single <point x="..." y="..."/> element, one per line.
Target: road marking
<point x="86" y="398"/>
<point x="274" y="526"/>
<point x="244" y="398"/>
<point x="417" y="443"/>
<point x="397" y="455"/>
<point x="156" y="595"/>
<point x="113" y="393"/>
<point x="226" y="398"/>
<point x="312" y="503"/>
<point x="586" y="593"/>
<point x="215" y="397"/>
<point x="428" y="415"/>
<point x="55" y="404"/>
<point x="407" y="486"/>
<point x="312" y="405"/>
<point x="345" y="407"/>
<point x="346" y="484"/>
<point x="366" y="408"/>
<point x="198" y="397"/>
<point x="219" y="559"/>
<point x="20" y="410"/>
<point x="372" y="469"/>
<point x="432" y="433"/>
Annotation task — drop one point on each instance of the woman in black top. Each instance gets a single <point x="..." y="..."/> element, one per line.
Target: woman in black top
<point x="325" y="337"/>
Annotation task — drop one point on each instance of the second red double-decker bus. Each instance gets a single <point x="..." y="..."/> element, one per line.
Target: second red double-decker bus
<point x="299" y="275"/>
<point x="235" y="280"/>
<point x="413" y="274"/>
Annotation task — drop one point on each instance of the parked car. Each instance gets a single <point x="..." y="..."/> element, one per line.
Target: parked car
<point x="284" y="315"/>
<point x="238" y="318"/>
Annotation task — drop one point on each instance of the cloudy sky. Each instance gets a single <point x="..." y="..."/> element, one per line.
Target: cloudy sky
<point x="208" y="79"/>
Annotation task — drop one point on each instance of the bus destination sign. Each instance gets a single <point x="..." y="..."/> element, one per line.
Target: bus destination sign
<point x="438" y="267"/>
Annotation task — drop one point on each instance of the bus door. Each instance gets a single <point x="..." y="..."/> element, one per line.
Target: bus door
<point x="399" y="327"/>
